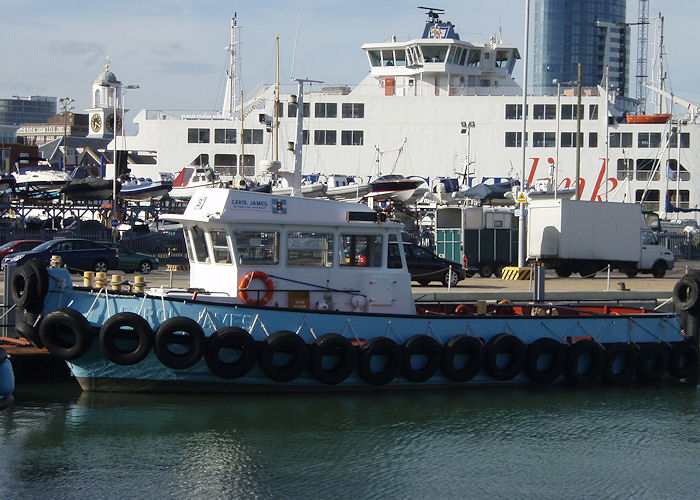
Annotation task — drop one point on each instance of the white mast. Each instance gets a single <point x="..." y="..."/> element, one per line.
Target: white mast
<point x="233" y="80"/>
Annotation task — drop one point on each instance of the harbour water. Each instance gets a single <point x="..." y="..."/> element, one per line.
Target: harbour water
<point x="562" y="442"/>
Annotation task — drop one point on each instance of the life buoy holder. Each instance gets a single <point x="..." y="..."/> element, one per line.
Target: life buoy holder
<point x="245" y="282"/>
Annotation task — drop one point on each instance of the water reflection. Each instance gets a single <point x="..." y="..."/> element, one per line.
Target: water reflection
<point x="636" y="441"/>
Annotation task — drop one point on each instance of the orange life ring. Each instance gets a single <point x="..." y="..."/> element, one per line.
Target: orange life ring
<point x="243" y="288"/>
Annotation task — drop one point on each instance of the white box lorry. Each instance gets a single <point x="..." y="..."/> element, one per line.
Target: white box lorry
<point x="585" y="237"/>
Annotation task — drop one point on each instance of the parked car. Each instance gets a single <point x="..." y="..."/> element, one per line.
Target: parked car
<point x="130" y="261"/>
<point x="17" y="246"/>
<point x="77" y="255"/>
<point x="425" y="266"/>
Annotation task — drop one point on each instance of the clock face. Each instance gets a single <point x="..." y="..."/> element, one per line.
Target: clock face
<point x="96" y="123"/>
<point x="110" y="123"/>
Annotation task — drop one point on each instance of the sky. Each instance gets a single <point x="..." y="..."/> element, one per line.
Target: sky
<point x="175" y="49"/>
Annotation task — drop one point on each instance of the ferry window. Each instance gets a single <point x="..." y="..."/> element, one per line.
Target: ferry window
<point x="352" y="137"/>
<point x="434" y="53"/>
<point x="292" y="110"/>
<point x="538" y="111"/>
<point x="474" y="57"/>
<point x="544" y="111"/>
<point x="252" y="136"/>
<point x="649" y="199"/>
<point x="685" y="140"/>
<point x="593" y="139"/>
<point x="219" y="244"/>
<point x="683" y="196"/>
<point x="568" y="111"/>
<point x="361" y="250"/>
<point x="621" y="140"/>
<point x="463" y="57"/>
<point x="327" y="137"/>
<point x="409" y="57"/>
<point x="326" y="110"/>
<point x="593" y="112"/>
<point x="197" y="135"/>
<point x="514" y="111"/>
<point x="544" y="139"/>
<point x="199" y="244"/>
<point x="225" y="160"/>
<point x="614" y="140"/>
<point x="394" y="257"/>
<point x="257" y="247"/>
<point x="568" y="139"/>
<point x="353" y="110"/>
<point x="649" y="140"/>
<point x="673" y="171"/>
<point x="225" y="136"/>
<point x="305" y="137"/>
<point x="201" y="160"/>
<point x="374" y="58"/>
<point x="514" y="139"/>
<point x="625" y="169"/>
<point x="647" y="169"/>
<point x="310" y="249"/>
<point x="248" y="164"/>
<point x="455" y="55"/>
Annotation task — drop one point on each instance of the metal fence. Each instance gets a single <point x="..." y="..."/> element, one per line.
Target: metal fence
<point x="683" y="246"/>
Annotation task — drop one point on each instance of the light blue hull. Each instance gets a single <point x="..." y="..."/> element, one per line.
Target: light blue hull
<point x="95" y="372"/>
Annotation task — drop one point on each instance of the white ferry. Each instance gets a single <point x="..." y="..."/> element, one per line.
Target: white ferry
<point x="439" y="106"/>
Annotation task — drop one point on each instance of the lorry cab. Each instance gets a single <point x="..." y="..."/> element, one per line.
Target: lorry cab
<point x="655" y="258"/>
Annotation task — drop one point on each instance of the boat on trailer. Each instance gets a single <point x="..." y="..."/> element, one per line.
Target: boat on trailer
<point x="281" y="301"/>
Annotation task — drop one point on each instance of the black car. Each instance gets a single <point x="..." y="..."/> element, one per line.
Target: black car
<point x="76" y="254"/>
<point x="425" y="266"/>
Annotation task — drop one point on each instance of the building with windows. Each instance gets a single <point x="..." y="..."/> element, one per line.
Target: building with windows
<point x="592" y="32"/>
<point x="32" y="109"/>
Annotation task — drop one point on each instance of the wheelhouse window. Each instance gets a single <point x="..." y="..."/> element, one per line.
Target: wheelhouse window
<point x="326" y="110"/>
<point x="310" y="249"/>
<point x="353" y="110"/>
<point x="474" y="57"/>
<point x="225" y="136"/>
<point x="394" y="257"/>
<point x="199" y="244"/>
<point x="257" y="247"/>
<point x="359" y="250"/>
<point x="375" y="57"/>
<point x="434" y="53"/>
<point x="219" y="244"/>
<point x="197" y="135"/>
<point x="352" y="137"/>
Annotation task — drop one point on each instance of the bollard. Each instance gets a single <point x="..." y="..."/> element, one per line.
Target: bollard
<point x="101" y="280"/>
<point x="139" y="284"/>
<point x="116" y="283"/>
<point x="538" y="283"/>
<point x="480" y="307"/>
<point x="89" y="279"/>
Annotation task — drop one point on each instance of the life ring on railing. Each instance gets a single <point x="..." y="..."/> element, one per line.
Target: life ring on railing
<point x="245" y="282"/>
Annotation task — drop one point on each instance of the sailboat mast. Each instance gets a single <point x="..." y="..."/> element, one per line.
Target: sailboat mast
<point x="277" y="99"/>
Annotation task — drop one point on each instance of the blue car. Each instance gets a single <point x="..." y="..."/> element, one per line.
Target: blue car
<point x="76" y="254"/>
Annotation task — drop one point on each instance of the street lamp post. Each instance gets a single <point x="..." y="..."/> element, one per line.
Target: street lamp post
<point x="116" y="86"/>
<point x="556" y="163"/>
<point x="66" y="108"/>
<point x="467" y="129"/>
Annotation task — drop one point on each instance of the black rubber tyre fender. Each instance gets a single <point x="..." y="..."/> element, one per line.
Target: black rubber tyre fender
<point x="556" y="353"/>
<point x="184" y="331"/>
<point x="379" y="346"/>
<point x="66" y="333"/>
<point x="42" y="282"/>
<point x="653" y="361"/>
<point x="686" y="293"/>
<point x="575" y="353"/>
<point x="332" y="345"/>
<point x="509" y="345"/>
<point x="628" y="353"/>
<point x="283" y="342"/>
<point x="462" y="345"/>
<point x="28" y="328"/>
<point x="683" y="362"/>
<point x="24" y="287"/>
<point x="234" y="338"/>
<point x="126" y="325"/>
<point x="420" y="345"/>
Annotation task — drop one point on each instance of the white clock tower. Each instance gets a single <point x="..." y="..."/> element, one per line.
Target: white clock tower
<point x="106" y="92"/>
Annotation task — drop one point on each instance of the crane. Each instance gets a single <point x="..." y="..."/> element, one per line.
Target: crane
<point x="693" y="108"/>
